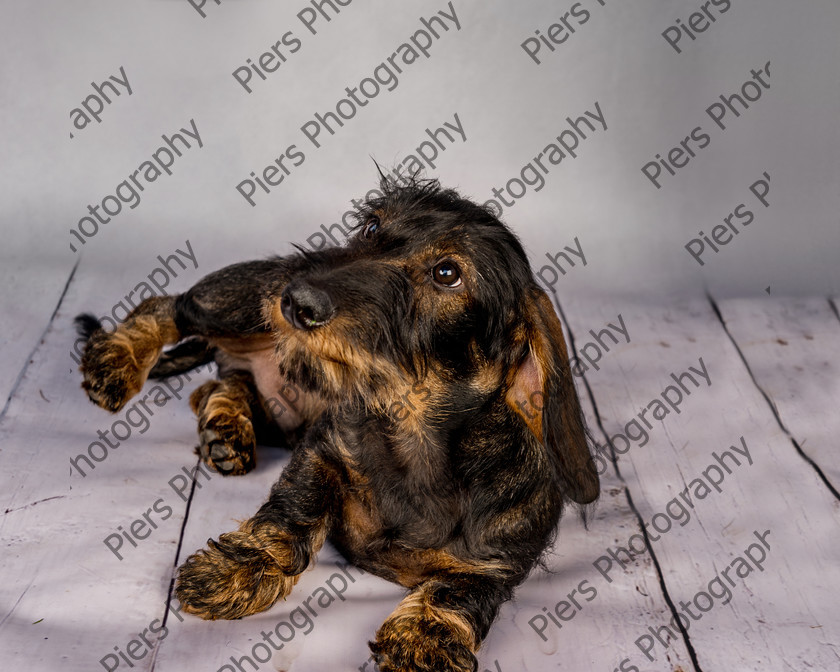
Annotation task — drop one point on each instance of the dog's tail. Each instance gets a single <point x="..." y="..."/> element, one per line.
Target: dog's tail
<point x="87" y="325"/>
<point x="184" y="357"/>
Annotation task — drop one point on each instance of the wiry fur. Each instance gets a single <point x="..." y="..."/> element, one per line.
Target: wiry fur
<point x="437" y="430"/>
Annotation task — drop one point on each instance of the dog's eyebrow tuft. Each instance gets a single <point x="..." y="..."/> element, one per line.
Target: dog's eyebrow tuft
<point x="401" y="192"/>
<point x="405" y="193"/>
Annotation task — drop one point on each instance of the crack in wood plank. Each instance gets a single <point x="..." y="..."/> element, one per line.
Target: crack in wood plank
<point x="660" y="575"/>
<point x="26" y="506"/>
<point x="17" y="602"/>
<point x="38" y="342"/>
<point x="796" y="444"/>
<point x="833" y="304"/>
<point x="169" y="595"/>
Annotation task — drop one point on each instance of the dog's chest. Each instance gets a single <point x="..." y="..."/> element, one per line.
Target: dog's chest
<point x="287" y="403"/>
<point x="397" y="497"/>
<point x="401" y="543"/>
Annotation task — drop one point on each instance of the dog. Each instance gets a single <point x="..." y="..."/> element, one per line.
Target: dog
<point x="435" y="429"/>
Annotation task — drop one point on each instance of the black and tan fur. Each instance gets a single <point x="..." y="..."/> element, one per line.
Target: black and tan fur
<point x="436" y="428"/>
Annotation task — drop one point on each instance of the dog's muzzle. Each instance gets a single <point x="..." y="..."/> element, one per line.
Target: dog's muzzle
<point x="305" y="307"/>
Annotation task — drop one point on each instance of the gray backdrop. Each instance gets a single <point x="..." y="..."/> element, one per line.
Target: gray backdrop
<point x="652" y="82"/>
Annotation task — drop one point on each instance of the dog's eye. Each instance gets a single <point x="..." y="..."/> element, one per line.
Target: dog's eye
<point x="371" y="227"/>
<point x="447" y="273"/>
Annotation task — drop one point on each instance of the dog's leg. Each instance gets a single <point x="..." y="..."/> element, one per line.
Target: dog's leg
<point x="439" y="625"/>
<point x="226" y="303"/>
<point x="115" y="365"/>
<point x="247" y="571"/>
<point x="231" y="419"/>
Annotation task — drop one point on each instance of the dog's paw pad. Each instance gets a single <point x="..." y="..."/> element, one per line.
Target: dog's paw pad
<point x="228" y="447"/>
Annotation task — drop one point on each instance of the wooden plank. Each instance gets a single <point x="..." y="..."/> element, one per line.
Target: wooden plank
<point x="67" y="599"/>
<point x="792" y="346"/>
<point x="338" y="638"/>
<point x="32" y="290"/>
<point x="59" y="570"/>
<point x="783" y="617"/>
<point x="588" y="640"/>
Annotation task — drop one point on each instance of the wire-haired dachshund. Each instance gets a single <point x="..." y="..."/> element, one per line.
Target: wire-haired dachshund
<point x="421" y="377"/>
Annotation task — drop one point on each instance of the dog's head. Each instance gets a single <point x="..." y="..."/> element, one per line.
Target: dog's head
<point x="432" y="307"/>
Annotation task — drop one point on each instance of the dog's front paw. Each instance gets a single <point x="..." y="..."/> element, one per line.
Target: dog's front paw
<point x="229" y="448"/>
<point x="111" y="372"/>
<point x="240" y="574"/>
<point x="422" y="644"/>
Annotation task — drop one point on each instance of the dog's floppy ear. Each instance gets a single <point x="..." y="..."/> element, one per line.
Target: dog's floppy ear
<point x="543" y="393"/>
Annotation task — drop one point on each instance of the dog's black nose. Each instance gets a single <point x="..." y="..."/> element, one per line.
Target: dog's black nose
<point x="306" y="307"/>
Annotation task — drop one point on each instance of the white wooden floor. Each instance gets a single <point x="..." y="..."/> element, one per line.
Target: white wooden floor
<point x="67" y="602"/>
